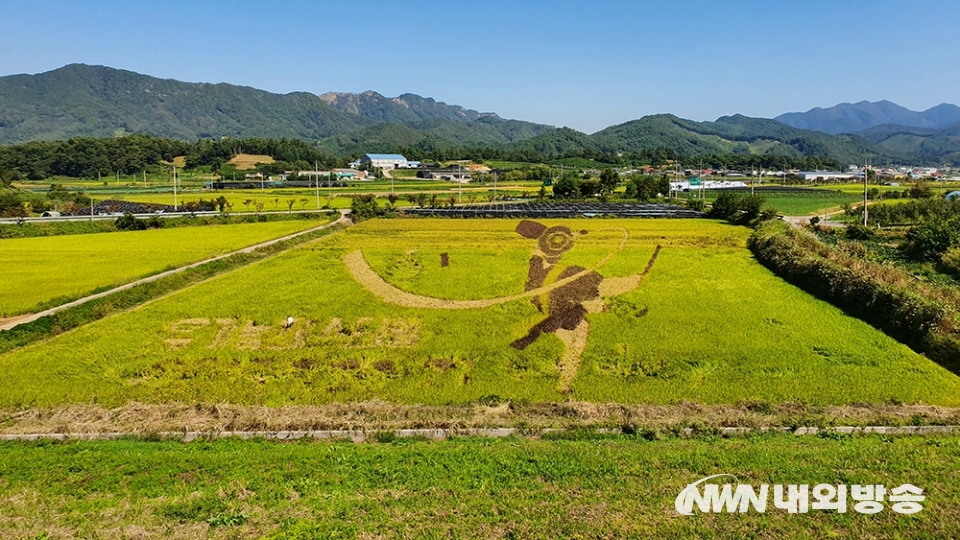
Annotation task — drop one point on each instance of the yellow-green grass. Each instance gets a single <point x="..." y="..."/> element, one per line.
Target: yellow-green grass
<point x="801" y="202"/>
<point x="47" y="269"/>
<point x="709" y="324"/>
<point x="273" y="200"/>
<point x="903" y="185"/>
<point x="596" y="487"/>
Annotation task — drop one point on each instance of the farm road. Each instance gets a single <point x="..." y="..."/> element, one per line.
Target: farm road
<point x="13" y="322"/>
<point x="797" y="221"/>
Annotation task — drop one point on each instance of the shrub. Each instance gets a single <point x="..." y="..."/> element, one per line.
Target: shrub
<point x="128" y="222"/>
<point x="858" y="232"/>
<point x="364" y="207"/>
<point x="930" y="240"/>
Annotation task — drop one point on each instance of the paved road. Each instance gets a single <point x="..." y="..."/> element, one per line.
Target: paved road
<point x="12" y="322"/>
<point x="112" y="217"/>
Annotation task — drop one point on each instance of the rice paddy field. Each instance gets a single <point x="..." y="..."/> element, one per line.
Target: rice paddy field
<point x="446" y="312"/>
<point x="49" y="270"/>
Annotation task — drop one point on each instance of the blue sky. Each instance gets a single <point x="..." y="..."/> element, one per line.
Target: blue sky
<point x="585" y="65"/>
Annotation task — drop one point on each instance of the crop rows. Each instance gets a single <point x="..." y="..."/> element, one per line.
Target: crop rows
<point x="707" y="323"/>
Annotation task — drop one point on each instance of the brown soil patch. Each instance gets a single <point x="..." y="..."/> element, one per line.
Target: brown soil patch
<point x="246" y="162"/>
<point x="386" y="366"/>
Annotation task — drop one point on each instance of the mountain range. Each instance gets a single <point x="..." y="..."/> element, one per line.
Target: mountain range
<point x="856" y="117"/>
<point x="97" y="101"/>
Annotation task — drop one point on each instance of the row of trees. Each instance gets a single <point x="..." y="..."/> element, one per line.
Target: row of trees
<point x="87" y="157"/>
<point x="640" y="187"/>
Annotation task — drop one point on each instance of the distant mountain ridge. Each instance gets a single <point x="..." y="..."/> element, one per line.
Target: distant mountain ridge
<point x="856" y="117"/>
<point x="401" y="109"/>
<point x="735" y="134"/>
<point x="97" y="101"/>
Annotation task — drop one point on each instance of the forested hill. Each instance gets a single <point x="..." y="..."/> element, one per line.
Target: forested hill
<point x="95" y="101"/>
<point x="98" y="101"/>
<point x="728" y="135"/>
<point x="736" y="134"/>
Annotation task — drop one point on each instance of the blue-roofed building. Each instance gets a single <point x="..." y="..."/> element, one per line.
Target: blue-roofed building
<point x="384" y="161"/>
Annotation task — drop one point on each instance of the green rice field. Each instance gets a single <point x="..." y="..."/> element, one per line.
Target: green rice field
<point x="441" y="319"/>
<point x="49" y="270"/>
<point x="608" y="487"/>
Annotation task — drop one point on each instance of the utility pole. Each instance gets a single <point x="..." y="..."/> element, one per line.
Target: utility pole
<point x="316" y="170"/>
<point x="864" y="192"/>
<point x="175" y="188"/>
<point x="144" y="179"/>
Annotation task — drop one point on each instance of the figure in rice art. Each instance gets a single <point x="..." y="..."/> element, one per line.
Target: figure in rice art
<point x="565" y="294"/>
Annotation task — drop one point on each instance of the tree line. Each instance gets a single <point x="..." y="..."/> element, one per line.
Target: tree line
<point x="83" y="157"/>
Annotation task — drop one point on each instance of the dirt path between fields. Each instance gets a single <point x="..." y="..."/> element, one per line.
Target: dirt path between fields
<point x="13" y="322"/>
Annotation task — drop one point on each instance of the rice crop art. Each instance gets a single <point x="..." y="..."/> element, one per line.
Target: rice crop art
<point x="569" y="294"/>
<point x="444" y="311"/>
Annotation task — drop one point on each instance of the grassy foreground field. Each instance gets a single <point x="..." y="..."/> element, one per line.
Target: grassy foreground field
<point x="578" y="487"/>
<point x="707" y="324"/>
<point x="49" y="269"/>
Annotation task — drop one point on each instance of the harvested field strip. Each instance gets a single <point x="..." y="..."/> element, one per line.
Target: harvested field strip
<point x="379" y="416"/>
<point x="572" y="485"/>
<point x="437" y="434"/>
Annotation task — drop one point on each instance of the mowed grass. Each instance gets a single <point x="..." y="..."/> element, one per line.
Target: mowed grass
<point x="48" y="269"/>
<point x="581" y="487"/>
<point x="709" y="324"/>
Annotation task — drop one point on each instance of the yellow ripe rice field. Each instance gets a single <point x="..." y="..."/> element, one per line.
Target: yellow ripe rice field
<point x="39" y="271"/>
<point x="455" y="311"/>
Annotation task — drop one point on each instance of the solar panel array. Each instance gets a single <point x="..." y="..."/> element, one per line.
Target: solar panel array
<point x="558" y="210"/>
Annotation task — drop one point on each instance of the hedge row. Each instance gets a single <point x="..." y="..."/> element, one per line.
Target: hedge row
<point x="922" y="323"/>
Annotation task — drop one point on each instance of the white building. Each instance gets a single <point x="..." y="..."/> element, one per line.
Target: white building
<point x="828" y="176"/>
<point x="384" y="161"/>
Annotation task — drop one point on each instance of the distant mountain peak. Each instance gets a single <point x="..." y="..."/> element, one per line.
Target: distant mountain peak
<point x="856" y="117"/>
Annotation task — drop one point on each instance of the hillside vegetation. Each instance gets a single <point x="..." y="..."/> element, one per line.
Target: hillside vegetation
<point x="96" y="101"/>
